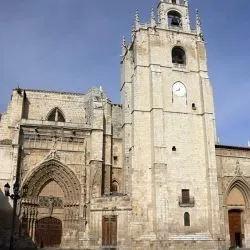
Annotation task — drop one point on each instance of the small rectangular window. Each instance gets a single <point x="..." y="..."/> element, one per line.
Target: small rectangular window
<point x="185" y="196"/>
<point x="115" y="159"/>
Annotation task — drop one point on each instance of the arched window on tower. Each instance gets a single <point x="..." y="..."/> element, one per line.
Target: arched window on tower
<point x="174" y="18"/>
<point x="114" y="187"/>
<point x="56" y="115"/>
<point x="186" y="219"/>
<point x="178" y="56"/>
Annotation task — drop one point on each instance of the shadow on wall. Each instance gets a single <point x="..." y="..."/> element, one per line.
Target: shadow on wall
<point x="6" y="213"/>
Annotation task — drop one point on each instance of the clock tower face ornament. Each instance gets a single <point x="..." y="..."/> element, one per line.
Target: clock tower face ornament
<point x="179" y="89"/>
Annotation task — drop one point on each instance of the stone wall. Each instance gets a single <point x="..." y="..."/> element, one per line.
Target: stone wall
<point x="72" y="105"/>
<point x="233" y="167"/>
<point x="85" y="147"/>
<point x="130" y="161"/>
<point x="169" y="139"/>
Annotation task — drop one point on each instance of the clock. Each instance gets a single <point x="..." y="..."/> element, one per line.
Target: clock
<point x="179" y="89"/>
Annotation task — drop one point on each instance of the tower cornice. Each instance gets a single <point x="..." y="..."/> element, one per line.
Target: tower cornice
<point x="184" y="3"/>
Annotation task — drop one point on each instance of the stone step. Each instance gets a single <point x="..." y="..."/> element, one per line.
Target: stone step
<point x="189" y="237"/>
<point x="53" y="248"/>
<point x="240" y="248"/>
<point x="57" y="249"/>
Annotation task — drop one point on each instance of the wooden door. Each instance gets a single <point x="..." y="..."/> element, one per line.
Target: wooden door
<point x="185" y="196"/>
<point x="48" y="232"/>
<point x="109" y="232"/>
<point x="235" y="228"/>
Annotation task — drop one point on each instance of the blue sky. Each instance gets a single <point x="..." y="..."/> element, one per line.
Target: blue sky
<point x="71" y="45"/>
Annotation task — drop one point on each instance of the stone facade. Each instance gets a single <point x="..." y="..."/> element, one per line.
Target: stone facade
<point x="233" y="178"/>
<point x="142" y="175"/>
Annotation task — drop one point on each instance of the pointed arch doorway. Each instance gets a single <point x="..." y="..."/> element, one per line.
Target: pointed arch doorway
<point x="236" y="213"/>
<point x="48" y="228"/>
<point x="50" y="210"/>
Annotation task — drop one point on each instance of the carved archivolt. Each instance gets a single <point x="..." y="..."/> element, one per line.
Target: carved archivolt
<point x="241" y="184"/>
<point x="61" y="174"/>
<point x="50" y="170"/>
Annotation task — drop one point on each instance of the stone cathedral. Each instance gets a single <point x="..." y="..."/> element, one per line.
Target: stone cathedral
<point x="143" y="174"/>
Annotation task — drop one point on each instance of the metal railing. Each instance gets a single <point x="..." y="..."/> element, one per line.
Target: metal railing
<point x="184" y="202"/>
<point x="109" y="247"/>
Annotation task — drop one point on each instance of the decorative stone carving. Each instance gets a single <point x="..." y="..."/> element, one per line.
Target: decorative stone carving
<point x="53" y="152"/>
<point x="54" y="170"/>
<point x="52" y="155"/>
<point x="55" y="202"/>
<point x="87" y="113"/>
<point x="238" y="171"/>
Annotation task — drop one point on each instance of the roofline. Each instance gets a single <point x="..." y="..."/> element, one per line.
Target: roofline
<point x="232" y="147"/>
<point x="117" y="104"/>
<point x="51" y="91"/>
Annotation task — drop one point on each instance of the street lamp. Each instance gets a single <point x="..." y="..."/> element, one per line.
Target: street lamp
<point x="15" y="196"/>
<point x="7" y="189"/>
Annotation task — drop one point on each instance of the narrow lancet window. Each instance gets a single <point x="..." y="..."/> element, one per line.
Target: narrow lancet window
<point x="186" y="219"/>
<point x="114" y="187"/>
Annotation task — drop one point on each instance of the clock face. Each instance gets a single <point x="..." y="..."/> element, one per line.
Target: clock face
<point x="179" y="89"/>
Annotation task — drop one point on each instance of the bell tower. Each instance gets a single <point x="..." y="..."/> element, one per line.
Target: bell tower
<point x="169" y="132"/>
<point x="174" y="14"/>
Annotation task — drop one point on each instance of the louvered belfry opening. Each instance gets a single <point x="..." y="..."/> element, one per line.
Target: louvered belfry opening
<point x="174" y="19"/>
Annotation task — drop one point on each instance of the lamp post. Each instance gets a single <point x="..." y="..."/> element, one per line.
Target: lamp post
<point x="15" y="196"/>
